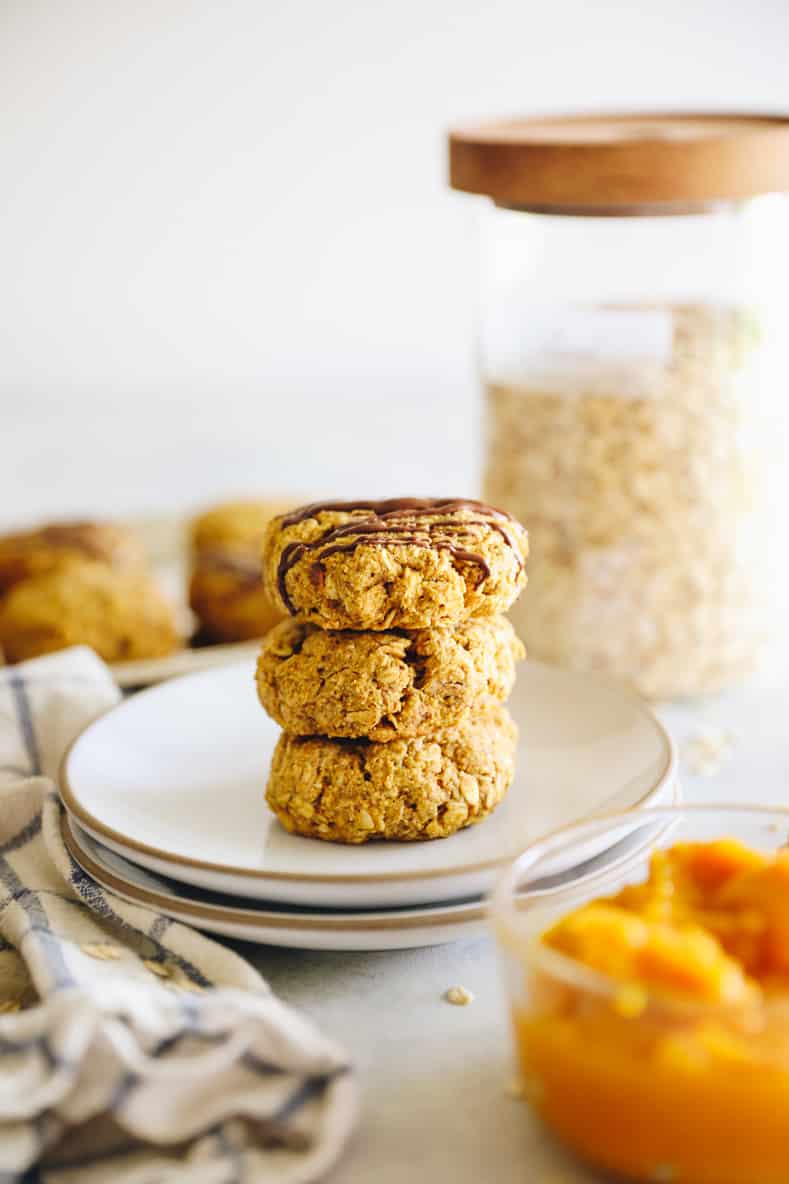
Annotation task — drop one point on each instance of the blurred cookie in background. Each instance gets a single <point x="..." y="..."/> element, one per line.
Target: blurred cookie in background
<point x="44" y="548"/>
<point x="120" y="612"/>
<point x="226" y="591"/>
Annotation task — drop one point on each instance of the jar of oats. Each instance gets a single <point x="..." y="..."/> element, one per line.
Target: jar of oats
<point x="636" y="393"/>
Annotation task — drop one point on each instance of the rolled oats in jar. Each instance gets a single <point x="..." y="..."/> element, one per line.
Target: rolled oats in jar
<point x="635" y="384"/>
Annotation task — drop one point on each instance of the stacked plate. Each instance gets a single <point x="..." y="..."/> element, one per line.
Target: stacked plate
<point x="164" y="806"/>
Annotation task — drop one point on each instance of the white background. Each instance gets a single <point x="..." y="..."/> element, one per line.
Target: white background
<point x="229" y="259"/>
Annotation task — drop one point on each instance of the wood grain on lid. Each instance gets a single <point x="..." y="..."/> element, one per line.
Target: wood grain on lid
<point x="626" y="160"/>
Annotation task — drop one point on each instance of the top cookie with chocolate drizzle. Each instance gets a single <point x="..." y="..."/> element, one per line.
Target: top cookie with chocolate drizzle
<point x="406" y="563"/>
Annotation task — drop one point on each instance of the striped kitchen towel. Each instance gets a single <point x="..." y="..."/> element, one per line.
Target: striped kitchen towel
<point x="133" y="1049"/>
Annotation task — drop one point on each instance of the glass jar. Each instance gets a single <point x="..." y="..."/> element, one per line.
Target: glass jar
<point x="634" y="383"/>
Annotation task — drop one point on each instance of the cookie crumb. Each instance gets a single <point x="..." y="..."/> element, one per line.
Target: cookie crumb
<point x="101" y="950"/>
<point x="708" y="750"/>
<point x="157" y="968"/>
<point x="459" y="996"/>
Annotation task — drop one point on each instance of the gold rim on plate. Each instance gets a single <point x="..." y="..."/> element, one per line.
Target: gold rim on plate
<point x="195" y="909"/>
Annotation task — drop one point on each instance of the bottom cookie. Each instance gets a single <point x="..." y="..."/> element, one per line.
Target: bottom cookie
<point x="351" y="791"/>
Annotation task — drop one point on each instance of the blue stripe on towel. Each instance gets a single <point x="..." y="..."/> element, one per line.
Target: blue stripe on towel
<point x="25" y="718"/>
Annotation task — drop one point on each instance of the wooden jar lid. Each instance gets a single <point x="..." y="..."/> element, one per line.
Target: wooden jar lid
<point x="618" y="161"/>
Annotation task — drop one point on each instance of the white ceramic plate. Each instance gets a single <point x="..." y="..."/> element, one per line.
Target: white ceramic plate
<point x="174" y="777"/>
<point x="388" y="929"/>
<point x="314" y="929"/>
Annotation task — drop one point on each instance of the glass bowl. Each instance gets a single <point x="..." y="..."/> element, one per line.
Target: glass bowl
<point x="644" y="1086"/>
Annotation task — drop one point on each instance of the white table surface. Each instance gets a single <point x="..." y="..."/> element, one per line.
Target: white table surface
<point x="433" y="1076"/>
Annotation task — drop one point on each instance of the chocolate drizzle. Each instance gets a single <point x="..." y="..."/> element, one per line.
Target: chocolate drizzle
<point x="395" y="505"/>
<point x="392" y="523"/>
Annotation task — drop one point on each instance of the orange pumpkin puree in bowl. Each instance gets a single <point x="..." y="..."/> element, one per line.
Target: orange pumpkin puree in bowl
<point x="655" y="1035"/>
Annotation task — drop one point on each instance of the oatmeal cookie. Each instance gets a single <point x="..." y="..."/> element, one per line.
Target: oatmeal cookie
<point x="33" y="552"/>
<point x="235" y="524"/>
<point x="227" y="596"/>
<point x="226" y="591"/>
<point x="121" y="614"/>
<point x="384" y="684"/>
<point x="350" y="791"/>
<point x="409" y="563"/>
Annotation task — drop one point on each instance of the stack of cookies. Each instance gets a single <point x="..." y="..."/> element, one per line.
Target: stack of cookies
<point x="389" y="675"/>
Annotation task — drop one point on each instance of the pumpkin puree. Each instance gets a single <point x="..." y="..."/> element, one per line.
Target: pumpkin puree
<point x="667" y="1059"/>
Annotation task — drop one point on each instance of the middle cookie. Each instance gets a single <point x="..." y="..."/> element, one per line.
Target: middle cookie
<point x="383" y="685"/>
